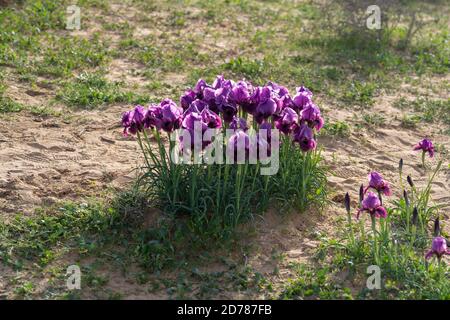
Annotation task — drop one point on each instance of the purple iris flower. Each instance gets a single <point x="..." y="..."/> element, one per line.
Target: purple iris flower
<point x="186" y="99"/>
<point x="229" y="111"/>
<point x="287" y="121"/>
<point x="126" y="118"/>
<point x="126" y="121"/>
<point x="302" y="98"/>
<point x="240" y="93"/>
<point x="221" y="96"/>
<point x="311" y="114"/>
<point x="221" y="82"/>
<point x="229" y="84"/>
<point x="372" y="205"/>
<point x="305" y="137"/>
<point x="189" y="123"/>
<point x="304" y="89"/>
<point x="139" y="115"/>
<point x="285" y="102"/>
<point x="171" y="115"/>
<point x="377" y="182"/>
<point x="211" y="119"/>
<point x="267" y="105"/>
<point x="278" y="90"/>
<point x="199" y="87"/>
<point x="319" y="123"/>
<point x="153" y="117"/>
<point x="209" y="96"/>
<point x="190" y="119"/>
<point x="426" y="146"/>
<point x="219" y="100"/>
<point x="438" y="248"/>
<point x="237" y="140"/>
<point x="218" y="82"/>
<point x="252" y="102"/>
<point x="239" y="123"/>
<point x="197" y="106"/>
<point x="264" y="141"/>
<point x="133" y="121"/>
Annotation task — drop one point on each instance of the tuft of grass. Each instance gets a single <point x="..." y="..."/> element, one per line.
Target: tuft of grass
<point x="338" y="129"/>
<point x="251" y="69"/>
<point x="66" y="55"/>
<point x="373" y="119"/>
<point x="409" y="121"/>
<point x="433" y="110"/>
<point x="301" y="179"/>
<point x="7" y="104"/>
<point x="426" y="110"/>
<point x="92" y="90"/>
<point x="41" y="236"/>
<point x="360" y="93"/>
<point x="314" y="283"/>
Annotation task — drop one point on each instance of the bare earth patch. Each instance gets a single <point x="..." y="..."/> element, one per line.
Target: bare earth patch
<point x="49" y="160"/>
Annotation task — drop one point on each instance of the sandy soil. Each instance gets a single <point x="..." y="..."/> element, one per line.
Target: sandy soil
<point x="48" y="160"/>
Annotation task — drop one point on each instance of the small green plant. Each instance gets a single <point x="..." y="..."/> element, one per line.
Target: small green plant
<point x="307" y="186"/>
<point x="373" y="119"/>
<point x="409" y="121"/>
<point x="8" y="105"/>
<point x="314" y="283"/>
<point x="245" y="67"/>
<point x="338" y="129"/>
<point x="360" y="93"/>
<point x="92" y="90"/>
<point x="39" y="236"/>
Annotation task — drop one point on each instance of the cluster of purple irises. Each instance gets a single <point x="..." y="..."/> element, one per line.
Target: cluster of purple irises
<point x="372" y="203"/>
<point x="439" y="243"/>
<point x="227" y="104"/>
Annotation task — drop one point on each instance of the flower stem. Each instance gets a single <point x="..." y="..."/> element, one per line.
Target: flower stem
<point x="439" y="269"/>
<point x="350" y="227"/>
<point x="423" y="162"/>
<point x="375" y="244"/>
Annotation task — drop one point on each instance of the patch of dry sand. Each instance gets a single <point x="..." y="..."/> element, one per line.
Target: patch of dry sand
<point x="49" y="160"/>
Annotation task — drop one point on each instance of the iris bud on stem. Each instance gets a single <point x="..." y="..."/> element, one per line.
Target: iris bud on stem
<point x="410" y="181"/>
<point x="414" y="220"/>
<point x="347" y="202"/>
<point x="437" y="227"/>
<point x="423" y="162"/>
<point x="400" y="169"/>
<point x="415" y="216"/>
<point x="348" y="209"/>
<point x="405" y="196"/>
<point x="361" y="194"/>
